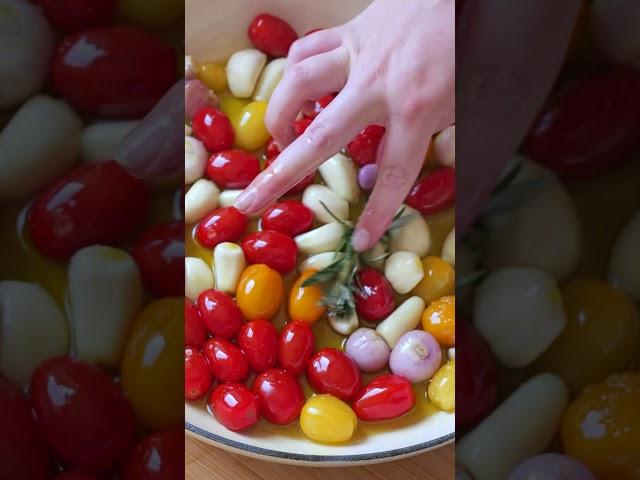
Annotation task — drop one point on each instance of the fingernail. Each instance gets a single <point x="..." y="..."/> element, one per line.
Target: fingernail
<point x="245" y="200"/>
<point x="360" y="240"/>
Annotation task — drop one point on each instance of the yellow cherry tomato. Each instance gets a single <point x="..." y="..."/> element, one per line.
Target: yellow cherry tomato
<point x="442" y="387"/>
<point x="251" y="133"/>
<point x="599" y="337"/>
<point x="305" y="302"/>
<point x="213" y="76"/>
<point x="232" y="107"/>
<point x="438" y="281"/>
<point x="152" y="374"/>
<point x="159" y="13"/>
<point x="259" y="292"/>
<point x="602" y="427"/>
<point x="439" y="319"/>
<point x="327" y="419"/>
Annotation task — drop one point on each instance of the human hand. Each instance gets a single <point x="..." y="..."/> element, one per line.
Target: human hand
<point x="393" y="67"/>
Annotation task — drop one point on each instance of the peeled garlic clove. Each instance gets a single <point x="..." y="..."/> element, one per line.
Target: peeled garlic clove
<point x="105" y="294"/>
<point x="451" y="353"/>
<point x="508" y="436"/>
<point x="243" y="70"/>
<point x="198" y="276"/>
<point x="376" y="256"/>
<point x="412" y="237"/>
<point x="444" y="147"/>
<point x="195" y="159"/>
<point x="403" y="319"/>
<point x="187" y="130"/>
<point x="269" y="79"/>
<point x="190" y="67"/>
<point x="449" y="247"/>
<point x="404" y="271"/>
<point x="29" y="161"/>
<point x="200" y="199"/>
<point x="100" y="141"/>
<point x="228" y="198"/>
<point x="341" y="176"/>
<point x="229" y="263"/>
<point x="344" y="326"/>
<point x="624" y="268"/>
<point x="519" y="312"/>
<point x="322" y="239"/>
<point x="315" y="195"/>
<point x="32" y="330"/>
<point x="317" y="262"/>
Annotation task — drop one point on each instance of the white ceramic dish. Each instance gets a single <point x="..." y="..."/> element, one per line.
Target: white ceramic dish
<point x="214" y="30"/>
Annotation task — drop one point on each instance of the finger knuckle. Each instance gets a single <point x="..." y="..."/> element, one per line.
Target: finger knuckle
<point x="319" y="136"/>
<point x="411" y="109"/>
<point x="393" y="177"/>
<point x="299" y="74"/>
<point x="296" y="50"/>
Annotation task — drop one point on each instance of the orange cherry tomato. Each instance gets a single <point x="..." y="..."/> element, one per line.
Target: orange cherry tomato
<point x="259" y="293"/>
<point x="305" y="303"/>
<point x="438" y="280"/>
<point x="439" y="319"/>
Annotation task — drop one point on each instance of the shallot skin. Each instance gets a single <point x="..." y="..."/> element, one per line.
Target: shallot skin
<point x="368" y="350"/>
<point x="551" y="466"/>
<point x="416" y="356"/>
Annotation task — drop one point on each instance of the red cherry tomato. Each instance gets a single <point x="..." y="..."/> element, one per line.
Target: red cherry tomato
<point x="233" y="168"/>
<point x="194" y="331"/>
<point x="228" y="363"/>
<point x="86" y="419"/>
<point x="23" y="452"/>
<point x="272" y="150"/>
<point x="75" y="476"/>
<point x="234" y="406"/>
<point x="434" y="192"/>
<point x="258" y="340"/>
<point x="97" y="203"/>
<point x="295" y="346"/>
<point x="374" y="296"/>
<point x="300" y="186"/>
<point x="271" y="34"/>
<point x="72" y="15"/>
<point x="275" y="249"/>
<point x="332" y="371"/>
<point x="300" y="126"/>
<point x="223" y="225"/>
<point x="364" y="148"/>
<point x="197" y="375"/>
<point x="590" y="127"/>
<point x="289" y="217"/>
<point x="214" y="129"/>
<point x="387" y="396"/>
<point x="159" y="254"/>
<point x="313" y="108"/>
<point x="280" y="396"/>
<point x="115" y="72"/>
<point x="476" y="381"/>
<point x="159" y="456"/>
<point x="219" y="313"/>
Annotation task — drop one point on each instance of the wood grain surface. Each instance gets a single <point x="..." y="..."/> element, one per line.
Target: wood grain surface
<point x="206" y="462"/>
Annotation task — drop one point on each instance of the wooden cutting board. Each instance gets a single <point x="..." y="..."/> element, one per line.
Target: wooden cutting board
<point x="206" y="462"/>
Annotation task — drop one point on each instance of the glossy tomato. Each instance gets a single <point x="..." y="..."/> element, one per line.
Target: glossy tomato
<point x="159" y="456"/>
<point x="115" y="72"/>
<point x="313" y="108"/>
<point x="589" y="127"/>
<point x="220" y="314"/>
<point x="272" y="150"/>
<point x="85" y="416"/>
<point x="305" y="303"/>
<point x="233" y="168"/>
<point x="271" y="34"/>
<point x="300" y="126"/>
<point x="332" y="371"/>
<point x="289" y="217"/>
<point x="197" y="375"/>
<point x="387" y="396"/>
<point x="228" y="363"/>
<point x="234" y="406"/>
<point x="222" y="225"/>
<point x="476" y="382"/>
<point x="97" y="203"/>
<point x="374" y="295"/>
<point x="23" y="451"/>
<point x="159" y="254"/>
<point x="194" y="331"/>
<point x="213" y="128"/>
<point x="295" y="346"/>
<point x="258" y="339"/>
<point x="259" y="292"/>
<point x="300" y="186"/>
<point x="364" y="148"/>
<point x="72" y="15"/>
<point x="434" y="192"/>
<point x="275" y="249"/>
<point x="280" y="396"/>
